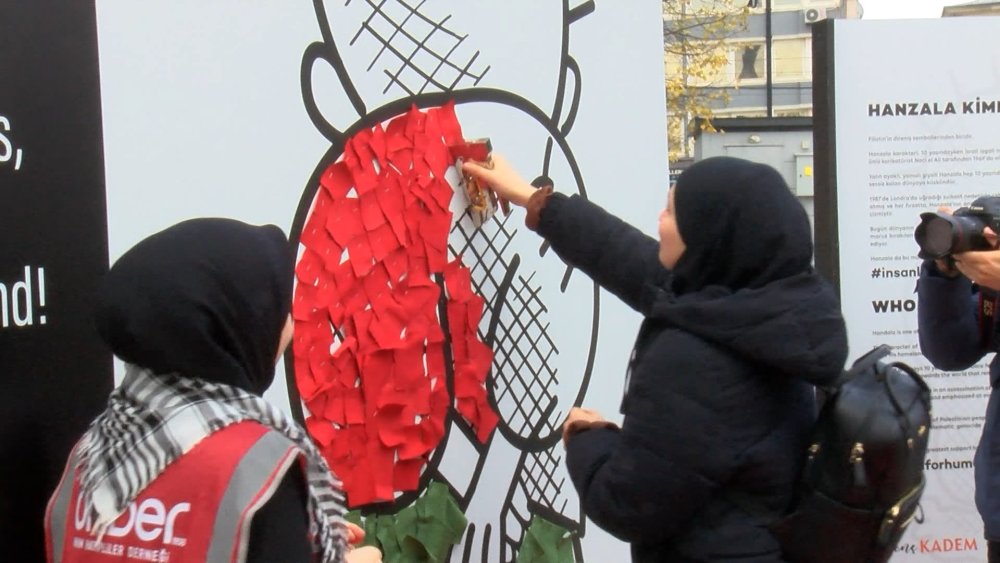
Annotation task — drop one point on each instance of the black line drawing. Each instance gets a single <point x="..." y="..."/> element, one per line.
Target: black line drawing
<point x="389" y="55"/>
<point x="419" y="30"/>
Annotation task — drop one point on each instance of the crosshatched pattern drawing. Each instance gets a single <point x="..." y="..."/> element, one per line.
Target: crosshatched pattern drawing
<point x="416" y="52"/>
<point x="524" y="352"/>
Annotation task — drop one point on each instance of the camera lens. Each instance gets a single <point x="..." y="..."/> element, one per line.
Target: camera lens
<point x="938" y="237"/>
<point x="941" y="234"/>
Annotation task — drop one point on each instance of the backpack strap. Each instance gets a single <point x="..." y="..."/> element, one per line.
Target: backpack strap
<point x="925" y="390"/>
<point x="864" y="363"/>
<point x="989" y="300"/>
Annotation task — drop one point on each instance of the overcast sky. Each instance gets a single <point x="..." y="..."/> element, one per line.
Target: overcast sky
<point x="901" y="9"/>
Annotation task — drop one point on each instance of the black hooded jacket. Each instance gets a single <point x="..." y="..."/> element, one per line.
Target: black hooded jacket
<point x="719" y="401"/>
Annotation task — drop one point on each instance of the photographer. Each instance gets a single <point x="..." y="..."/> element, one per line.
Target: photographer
<point x="718" y="403"/>
<point x="957" y="321"/>
<point x="982" y="267"/>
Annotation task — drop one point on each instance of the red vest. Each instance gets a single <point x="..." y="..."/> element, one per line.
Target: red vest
<point x="198" y="510"/>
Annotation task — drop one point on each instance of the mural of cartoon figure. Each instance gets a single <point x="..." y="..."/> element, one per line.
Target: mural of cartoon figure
<point x="376" y="61"/>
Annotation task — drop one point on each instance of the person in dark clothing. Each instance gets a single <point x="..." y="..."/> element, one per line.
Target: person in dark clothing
<point x="719" y="396"/>
<point x="188" y="460"/>
<point x="952" y="339"/>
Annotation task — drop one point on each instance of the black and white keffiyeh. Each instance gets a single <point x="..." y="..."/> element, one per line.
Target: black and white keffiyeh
<point x="152" y="420"/>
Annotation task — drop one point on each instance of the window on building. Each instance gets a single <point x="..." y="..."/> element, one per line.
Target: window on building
<point x="792" y="59"/>
<point x="746" y="63"/>
<point x="750" y="62"/>
<point x="673" y="65"/>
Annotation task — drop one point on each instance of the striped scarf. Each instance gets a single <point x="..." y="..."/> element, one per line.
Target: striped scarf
<point x="152" y="420"/>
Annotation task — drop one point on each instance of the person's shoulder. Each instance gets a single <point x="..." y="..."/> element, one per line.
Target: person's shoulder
<point x="252" y="436"/>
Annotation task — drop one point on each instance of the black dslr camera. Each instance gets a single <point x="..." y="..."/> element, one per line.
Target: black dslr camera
<point x="940" y="235"/>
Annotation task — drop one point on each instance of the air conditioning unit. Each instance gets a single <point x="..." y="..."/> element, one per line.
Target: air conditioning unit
<point x="813" y="15"/>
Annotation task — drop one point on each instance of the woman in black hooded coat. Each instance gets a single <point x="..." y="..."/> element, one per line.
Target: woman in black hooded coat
<point x="719" y="397"/>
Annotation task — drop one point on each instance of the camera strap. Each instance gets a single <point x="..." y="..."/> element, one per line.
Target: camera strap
<point x="989" y="300"/>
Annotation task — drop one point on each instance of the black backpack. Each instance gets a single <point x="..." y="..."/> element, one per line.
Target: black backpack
<point x="863" y="476"/>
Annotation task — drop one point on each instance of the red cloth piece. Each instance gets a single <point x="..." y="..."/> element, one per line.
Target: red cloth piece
<point x="369" y="346"/>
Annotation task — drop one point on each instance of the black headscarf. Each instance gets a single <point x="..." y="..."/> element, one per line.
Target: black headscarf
<point x="741" y="225"/>
<point x="206" y="298"/>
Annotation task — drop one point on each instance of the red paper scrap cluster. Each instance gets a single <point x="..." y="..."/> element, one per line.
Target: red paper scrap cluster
<point x="369" y="346"/>
<point x="470" y="354"/>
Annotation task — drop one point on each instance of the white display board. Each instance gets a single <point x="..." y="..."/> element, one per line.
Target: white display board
<point x="917" y="109"/>
<point x="227" y="108"/>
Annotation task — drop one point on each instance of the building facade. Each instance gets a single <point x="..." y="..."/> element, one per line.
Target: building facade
<point x="766" y="116"/>
<point x="975" y="8"/>
<point x="752" y="91"/>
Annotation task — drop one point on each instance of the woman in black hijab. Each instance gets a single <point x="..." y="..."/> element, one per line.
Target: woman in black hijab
<point x="207" y="298"/>
<point x="718" y="397"/>
<point x="200" y="314"/>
